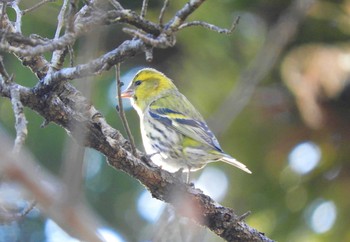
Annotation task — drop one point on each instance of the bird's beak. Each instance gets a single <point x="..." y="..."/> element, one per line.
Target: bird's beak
<point x="128" y="93"/>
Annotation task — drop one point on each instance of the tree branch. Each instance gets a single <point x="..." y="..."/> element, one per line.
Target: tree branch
<point x="56" y="100"/>
<point x="21" y="121"/>
<point x="162" y="184"/>
<point x="162" y="12"/>
<point x="36" y="6"/>
<point x="121" y="112"/>
<point x="49" y="193"/>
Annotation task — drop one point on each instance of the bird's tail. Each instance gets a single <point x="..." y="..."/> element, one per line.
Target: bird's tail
<point x="232" y="161"/>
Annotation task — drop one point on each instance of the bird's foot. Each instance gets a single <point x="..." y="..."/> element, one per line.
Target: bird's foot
<point x="180" y="175"/>
<point x="147" y="160"/>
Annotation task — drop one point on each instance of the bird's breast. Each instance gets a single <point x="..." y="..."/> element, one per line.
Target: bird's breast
<point x="157" y="137"/>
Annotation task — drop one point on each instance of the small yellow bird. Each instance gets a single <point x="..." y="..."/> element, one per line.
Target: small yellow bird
<point x="174" y="133"/>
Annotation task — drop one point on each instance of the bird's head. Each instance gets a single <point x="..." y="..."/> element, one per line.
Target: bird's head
<point x="147" y="86"/>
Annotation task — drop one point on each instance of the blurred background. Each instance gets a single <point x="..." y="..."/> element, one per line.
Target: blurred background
<point x="282" y="107"/>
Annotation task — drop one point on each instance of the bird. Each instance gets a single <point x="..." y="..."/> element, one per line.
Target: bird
<point x="174" y="134"/>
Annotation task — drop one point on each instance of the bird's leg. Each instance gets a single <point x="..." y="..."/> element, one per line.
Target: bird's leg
<point x="155" y="153"/>
<point x="147" y="160"/>
<point x="188" y="177"/>
<point x="179" y="173"/>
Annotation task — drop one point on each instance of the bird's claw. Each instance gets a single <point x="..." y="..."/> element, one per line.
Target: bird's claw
<point x="147" y="160"/>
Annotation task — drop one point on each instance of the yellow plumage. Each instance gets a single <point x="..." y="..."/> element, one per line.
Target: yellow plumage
<point x="173" y="131"/>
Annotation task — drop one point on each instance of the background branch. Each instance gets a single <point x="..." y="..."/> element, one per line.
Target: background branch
<point x="278" y="37"/>
<point x="75" y="219"/>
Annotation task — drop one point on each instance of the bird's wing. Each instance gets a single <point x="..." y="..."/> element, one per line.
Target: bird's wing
<point x="179" y="114"/>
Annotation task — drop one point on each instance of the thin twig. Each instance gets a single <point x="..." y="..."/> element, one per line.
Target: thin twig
<point x="162" y="12"/>
<point x="36" y="6"/>
<point x="28" y="209"/>
<point x="116" y="4"/>
<point x="10" y="216"/>
<point x="60" y="18"/>
<point x="59" y="54"/>
<point x="2" y="81"/>
<point x="3" y="71"/>
<point x="148" y="53"/>
<point x="21" y="121"/>
<point x="121" y="112"/>
<point x="71" y="55"/>
<point x="211" y="26"/>
<point x="144" y="8"/>
<point x="69" y="21"/>
<point x="18" y="23"/>
<point x="3" y="10"/>
<point x="162" y="41"/>
<point x="182" y="14"/>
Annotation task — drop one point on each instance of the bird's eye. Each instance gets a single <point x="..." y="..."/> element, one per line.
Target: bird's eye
<point x="137" y="83"/>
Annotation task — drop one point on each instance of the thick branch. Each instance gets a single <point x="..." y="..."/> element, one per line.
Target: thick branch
<point x="70" y="110"/>
<point x="50" y="193"/>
